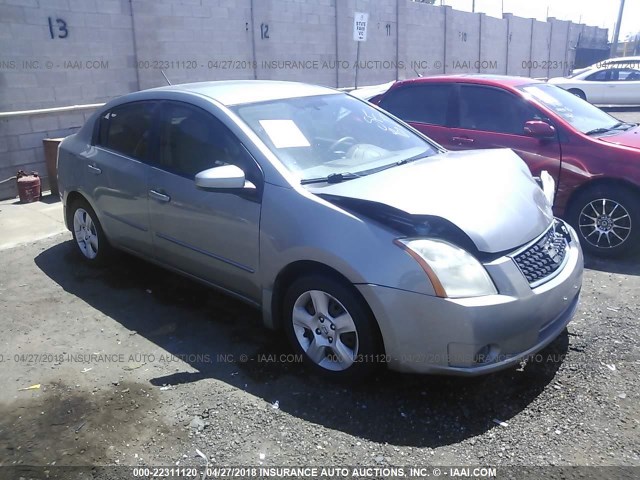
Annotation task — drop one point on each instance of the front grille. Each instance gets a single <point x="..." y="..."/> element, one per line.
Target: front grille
<point x="545" y="256"/>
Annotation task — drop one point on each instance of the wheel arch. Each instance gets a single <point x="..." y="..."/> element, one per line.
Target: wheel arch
<point x="598" y="183"/>
<point x="581" y="93"/>
<point x="618" y="190"/>
<point x="72" y="197"/>
<point x="300" y="268"/>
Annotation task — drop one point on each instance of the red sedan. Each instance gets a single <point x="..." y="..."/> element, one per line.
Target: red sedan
<point x="593" y="157"/>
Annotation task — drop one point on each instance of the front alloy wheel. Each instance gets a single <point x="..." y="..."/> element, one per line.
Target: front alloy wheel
<point x="325" y="330"/>
<point x="605" y="223"/>
<point x="607" y="220"/>
<point x="328" y="322"/>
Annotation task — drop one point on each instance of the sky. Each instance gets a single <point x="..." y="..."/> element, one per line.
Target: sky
<point x="599" y="13"/>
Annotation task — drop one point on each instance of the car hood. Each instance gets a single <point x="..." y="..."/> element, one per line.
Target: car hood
<point x="489" y="194"/>
<point x="560" y="80"/>
<point x="627" y="138"/>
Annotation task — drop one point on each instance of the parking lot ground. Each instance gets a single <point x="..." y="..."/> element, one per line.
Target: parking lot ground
<point x="625" y="114"/>
<point x="133" y="365"/>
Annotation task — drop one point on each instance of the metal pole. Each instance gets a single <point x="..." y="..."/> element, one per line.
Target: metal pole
<point x="473" y="6"/>
<point x="480" y="42"/>
<point x="337" y="51"/>
<point x="616" y="32"/>
<point x="397" y="39"/>
<point x="531" y="47"/>
<point x="135" y="44"/>
<point x="506" y="60"/>
<point x="253" y="44"/>
<point x="357" y="62"/>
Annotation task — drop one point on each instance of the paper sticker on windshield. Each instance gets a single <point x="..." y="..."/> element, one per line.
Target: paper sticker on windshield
<point x="284" y="133"/>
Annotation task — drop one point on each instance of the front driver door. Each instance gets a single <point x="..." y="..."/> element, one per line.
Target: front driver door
<point x="623" y="87"/>
<point x="490" y="117"/>
<point x="211" y="235"/>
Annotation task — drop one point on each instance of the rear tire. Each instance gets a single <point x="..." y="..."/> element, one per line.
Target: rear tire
<point x="578" y="93"/>
<point x="332" y="327"/>
<point x="90" y="240"/>
<point x="607" y="220"/>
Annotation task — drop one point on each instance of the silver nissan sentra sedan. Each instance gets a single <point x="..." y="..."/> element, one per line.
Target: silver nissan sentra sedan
<point x="363" y="240"/>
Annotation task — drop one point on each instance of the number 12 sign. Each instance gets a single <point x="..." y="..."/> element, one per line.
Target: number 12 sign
<point x="360" y="26"/>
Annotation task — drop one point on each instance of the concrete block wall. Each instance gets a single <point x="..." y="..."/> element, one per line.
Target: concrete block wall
<point x="296" y="40"/>
<point x="421" y="48"/>
<point x="493" y="45"/>
<point x="89" y="59"/>
<point x="592" y="37"/>
<point x="540" y="40"/>
<point x="518" y="44"/>
<point x="378" y="62"/>
<point x="559" y="48"/>
<point x="192" y="40"/>
<point x="462" y="36"/>
<point x="68" y="52"/>
<point x="85" y="56"/>
<point x="21" y="143"/>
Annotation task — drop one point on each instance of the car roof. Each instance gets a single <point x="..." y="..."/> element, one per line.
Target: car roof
<point x="238" y="92"/>
<point x="484" y="79"/>
<point x="618" y="59"/>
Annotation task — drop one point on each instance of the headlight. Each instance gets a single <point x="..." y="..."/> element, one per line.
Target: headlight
<point x="453" y="272"/>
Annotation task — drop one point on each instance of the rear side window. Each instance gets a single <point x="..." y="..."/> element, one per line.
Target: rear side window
<point x="419" y="103"/>
<point x="126" y="129"/>
<point x="601" y="76"/>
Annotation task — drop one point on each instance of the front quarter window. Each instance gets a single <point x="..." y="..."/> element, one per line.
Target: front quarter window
<point x="323" y="135"/>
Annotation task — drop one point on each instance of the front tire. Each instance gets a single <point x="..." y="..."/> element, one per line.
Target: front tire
<point x="607" y="220"/>
<point x="88" y="235"/>
<point x="330" y="325"/>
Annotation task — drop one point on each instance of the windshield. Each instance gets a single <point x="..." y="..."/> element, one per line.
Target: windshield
<point x="331" y="135"/>
<point x="579" y="113"/>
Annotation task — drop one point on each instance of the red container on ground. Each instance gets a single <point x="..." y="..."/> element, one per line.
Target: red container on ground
<point x="29" y="187"/>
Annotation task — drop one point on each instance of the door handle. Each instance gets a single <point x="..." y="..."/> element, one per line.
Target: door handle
<point x="462" y="140"/>
<point x="94" y="170"/>
<point x="161" y="197"/>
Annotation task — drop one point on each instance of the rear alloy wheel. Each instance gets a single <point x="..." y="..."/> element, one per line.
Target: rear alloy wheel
<point x="328" y="323"/>
<point x="607" y="220"/>
<point x="87" y="233"/>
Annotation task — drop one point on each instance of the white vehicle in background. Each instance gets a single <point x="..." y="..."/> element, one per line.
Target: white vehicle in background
<point x="618" y="62"/>
<point x="608" y="84"/>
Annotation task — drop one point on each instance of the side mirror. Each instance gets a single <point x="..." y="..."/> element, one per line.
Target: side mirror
<point x="539" y="129"/>
<point x="224" y="177"/>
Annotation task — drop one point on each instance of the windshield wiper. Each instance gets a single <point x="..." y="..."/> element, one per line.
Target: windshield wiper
<point x="331" y="178"/>
<point x="623" y="124"/>
<point x="395" y="164"/>
<point x="340" y="177"/>
<point x="597" y="130"/>
<point x="614" y="127"/>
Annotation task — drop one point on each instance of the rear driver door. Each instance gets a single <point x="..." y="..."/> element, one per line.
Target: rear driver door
<point x="426" y="107"/>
